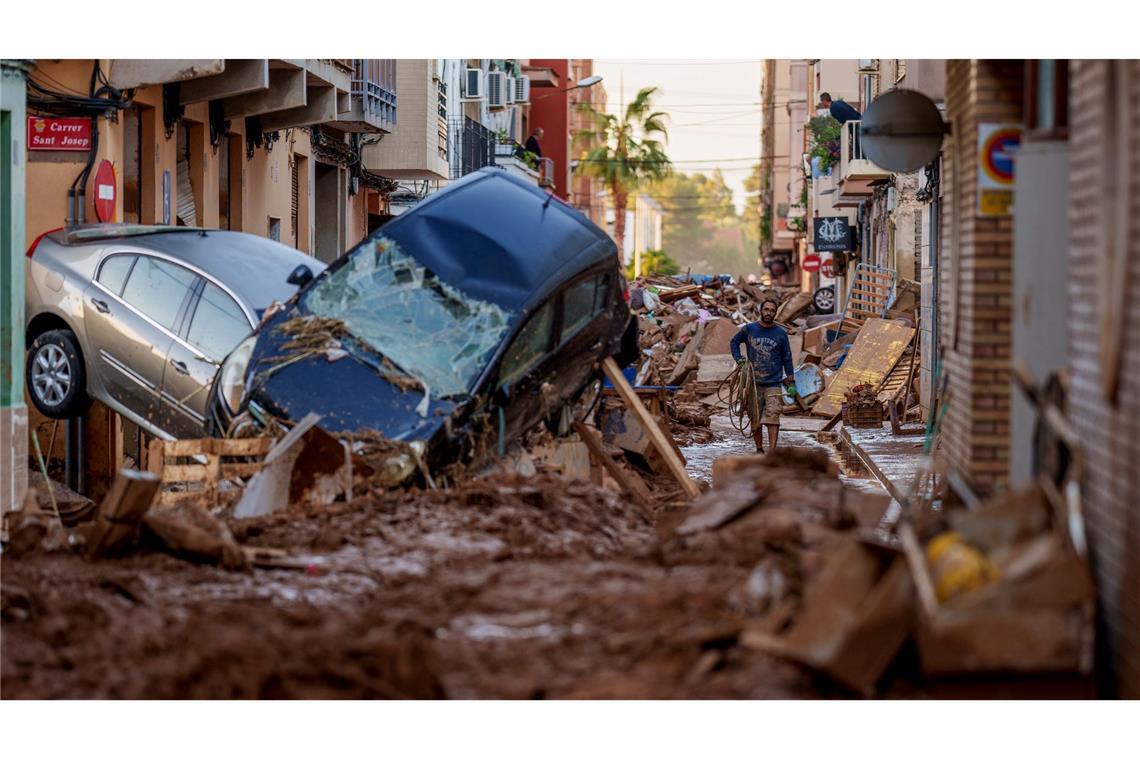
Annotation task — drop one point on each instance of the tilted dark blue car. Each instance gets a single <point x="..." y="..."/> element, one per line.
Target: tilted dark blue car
<point x="461" y="323"/>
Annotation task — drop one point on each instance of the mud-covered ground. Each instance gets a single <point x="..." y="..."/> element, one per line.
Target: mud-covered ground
<point x="505" y="588"/>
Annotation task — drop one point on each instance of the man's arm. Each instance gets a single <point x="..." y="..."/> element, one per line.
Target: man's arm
<point x="734" y="344"/>
<point x="789" y="369"/>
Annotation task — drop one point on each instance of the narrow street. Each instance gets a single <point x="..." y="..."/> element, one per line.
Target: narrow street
<point x="504" y="588"/>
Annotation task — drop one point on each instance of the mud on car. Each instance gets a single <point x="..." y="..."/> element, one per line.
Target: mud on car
<point x="460" y="324"/>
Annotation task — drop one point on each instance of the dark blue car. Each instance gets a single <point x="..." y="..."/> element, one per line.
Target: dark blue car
<point x="461" y="323"/>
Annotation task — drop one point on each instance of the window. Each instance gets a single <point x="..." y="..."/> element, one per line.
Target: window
<point x="1047" y="99"/>
<point x="530" y="345"/>
<point x="157" y="289"/>
<point x="582" y="302"/>
<point x="218" y="325"/>
<point x="114" y="272"/>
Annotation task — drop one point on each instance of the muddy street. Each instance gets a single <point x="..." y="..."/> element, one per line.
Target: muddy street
<point x="502" y="588"/>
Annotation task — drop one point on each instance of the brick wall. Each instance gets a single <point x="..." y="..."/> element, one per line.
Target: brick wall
<point x="975" y="290"/>
<point x="1110" y="431"/>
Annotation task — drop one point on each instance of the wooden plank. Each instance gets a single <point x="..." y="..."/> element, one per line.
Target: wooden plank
<point x="912" y="550"/>
<point x="660" y="441"/>
<point x="244" y="447"/>
<point x="121" y="511"/>
<point x="172" y="473"/>
<point x="878" y="347"/>
<point x="636" y="489"/>
<point x="877" y="275"/>
<point x="189" y="448"/>
<point x="244" y="470"/>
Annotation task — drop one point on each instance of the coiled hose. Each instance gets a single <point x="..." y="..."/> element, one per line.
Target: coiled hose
<point x="738" y="391"/>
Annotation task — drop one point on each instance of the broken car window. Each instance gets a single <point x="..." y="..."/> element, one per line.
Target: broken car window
<point x="530" y="345"/>
<point x="431" y="330"/>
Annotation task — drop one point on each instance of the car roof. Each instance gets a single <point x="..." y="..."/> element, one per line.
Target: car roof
<point x="253" y="267"/>
<point x="500" y="239"/>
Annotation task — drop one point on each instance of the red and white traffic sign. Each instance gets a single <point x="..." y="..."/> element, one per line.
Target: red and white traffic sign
<point x="105" y="192"/>
<point x="827" y="268"/>
<point x="810" y="263"/>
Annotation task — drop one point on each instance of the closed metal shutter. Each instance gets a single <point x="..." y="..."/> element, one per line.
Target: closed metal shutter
<point x="294" y="199"/>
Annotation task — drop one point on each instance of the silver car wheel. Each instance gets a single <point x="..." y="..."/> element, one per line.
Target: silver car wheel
<point x="51" y="375"/>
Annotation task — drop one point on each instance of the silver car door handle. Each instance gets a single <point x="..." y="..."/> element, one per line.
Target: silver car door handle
<point x="179" y="367"/>
<point x="101" y="306"/>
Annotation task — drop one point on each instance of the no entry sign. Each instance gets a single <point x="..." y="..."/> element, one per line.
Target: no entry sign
<point x="58" y="134"/>
<point x="810" y="263"/>
<point x="105" y="192"/>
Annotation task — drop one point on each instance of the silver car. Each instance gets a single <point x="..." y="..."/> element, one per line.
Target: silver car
<point x="140" y="317"/>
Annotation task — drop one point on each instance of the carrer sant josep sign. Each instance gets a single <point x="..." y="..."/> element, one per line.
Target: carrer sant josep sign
<point x="58" y="134"/>
<point x="832" y="233"/>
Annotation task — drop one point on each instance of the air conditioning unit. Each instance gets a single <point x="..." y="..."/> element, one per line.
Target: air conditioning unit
<point x="868" y="64"/>
<point x="497" y="89"/>
<point x="473" y="85"/>
<point x="510" y="89"/>
<point x="522" y="89"/>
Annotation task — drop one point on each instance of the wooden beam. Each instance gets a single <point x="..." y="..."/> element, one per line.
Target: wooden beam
<point x="240" y="77"/>
<point x="121" y="512"/>
<point x="660" y="441"/>
<point x="634" y="486"/>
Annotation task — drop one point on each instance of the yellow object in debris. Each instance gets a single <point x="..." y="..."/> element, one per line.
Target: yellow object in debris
<point x="956" y="566"/>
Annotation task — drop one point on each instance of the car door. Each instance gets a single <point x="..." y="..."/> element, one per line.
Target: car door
<point x="579" y="342"/>
<point x="520" y="371"/>
<point x="130" y="313"/>
<point x="214" y="327"/>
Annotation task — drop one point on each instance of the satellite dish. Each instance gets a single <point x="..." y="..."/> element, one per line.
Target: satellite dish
<point x="902" y="131"/>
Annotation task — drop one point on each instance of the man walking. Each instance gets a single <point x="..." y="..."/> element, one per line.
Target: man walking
<point x="770" y="355"/>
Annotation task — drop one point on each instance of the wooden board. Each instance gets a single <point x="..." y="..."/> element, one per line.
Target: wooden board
<point x="877" y="349"/>
<point x="660" y="440"/>
<point x="629" y="481"/>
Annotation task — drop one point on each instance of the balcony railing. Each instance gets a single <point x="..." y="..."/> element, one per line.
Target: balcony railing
<point x="472" y="146"/>
<point x="374" y="90"/>
<point x="546" y="172"/>
<point x="853" y="164"/>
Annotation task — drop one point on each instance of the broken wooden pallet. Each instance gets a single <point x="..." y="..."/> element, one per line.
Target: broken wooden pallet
<point x="872" y="290"/>
<point x="200" y="464"/>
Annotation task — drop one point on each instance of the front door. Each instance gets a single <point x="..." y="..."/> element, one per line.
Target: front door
<point x="216" y="325"/>
<point x="129" y="312"/>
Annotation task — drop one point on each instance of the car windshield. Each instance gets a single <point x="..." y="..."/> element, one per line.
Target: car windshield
<point x="431" y="330"/>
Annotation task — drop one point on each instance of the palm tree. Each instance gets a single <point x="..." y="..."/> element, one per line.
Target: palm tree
<point x="624" y="152"/>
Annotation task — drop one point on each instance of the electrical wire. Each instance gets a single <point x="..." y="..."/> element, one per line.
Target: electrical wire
<point x="738" y="392"/>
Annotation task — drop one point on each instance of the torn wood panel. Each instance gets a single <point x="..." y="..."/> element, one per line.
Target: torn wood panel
<point x="877" y="349"/>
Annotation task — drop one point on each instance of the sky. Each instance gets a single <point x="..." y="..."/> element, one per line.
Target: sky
<point x="714" y="107"/>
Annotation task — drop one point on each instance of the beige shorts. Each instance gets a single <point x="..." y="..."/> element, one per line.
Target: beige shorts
<point x="770" y="403"/>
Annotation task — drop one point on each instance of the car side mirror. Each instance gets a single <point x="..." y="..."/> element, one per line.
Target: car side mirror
<point x="301" y="276"/>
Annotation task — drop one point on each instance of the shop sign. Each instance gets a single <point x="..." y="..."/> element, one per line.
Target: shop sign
<point x="832" y="233"/>
<point x="58" y="134"/>
<point x="997" y="144"/>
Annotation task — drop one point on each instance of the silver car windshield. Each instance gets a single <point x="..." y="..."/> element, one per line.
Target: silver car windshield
<point x="431" y="330"/>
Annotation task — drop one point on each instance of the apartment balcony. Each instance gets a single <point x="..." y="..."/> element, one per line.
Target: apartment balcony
<point x="472" y="146"/>
<point x="546" y="172"/>
<point x="412" y="148"/>
<point x="857" y="175"/>
<point x="281" y="93"/>
<point x="372" y="100"/>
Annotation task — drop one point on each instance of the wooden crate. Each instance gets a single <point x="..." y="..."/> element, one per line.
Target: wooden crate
<point x="863" y="417"/>
<point x="180" y="462"/>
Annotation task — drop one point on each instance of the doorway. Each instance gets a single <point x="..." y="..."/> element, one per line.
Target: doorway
<point x="327" y="212"/>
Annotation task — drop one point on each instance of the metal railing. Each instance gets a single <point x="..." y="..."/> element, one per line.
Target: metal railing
<point x="374" y="85"/>
<point x="472" y="146"/>
<point x="546" y="172"/>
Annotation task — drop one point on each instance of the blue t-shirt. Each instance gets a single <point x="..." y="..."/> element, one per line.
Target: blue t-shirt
<point x="769" y="352"/>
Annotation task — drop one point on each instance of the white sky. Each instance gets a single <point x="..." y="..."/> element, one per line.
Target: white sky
<point x="714" y="107"/>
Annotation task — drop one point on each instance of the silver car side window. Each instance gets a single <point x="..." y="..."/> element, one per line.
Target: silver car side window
<point x="114" y="270"/>
<point x="157" y="289"/>
<point x="218" y="324"/>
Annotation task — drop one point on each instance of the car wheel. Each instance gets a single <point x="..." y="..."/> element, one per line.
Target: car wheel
<point x="824" y="300"/>
<point x="56" y="377"/>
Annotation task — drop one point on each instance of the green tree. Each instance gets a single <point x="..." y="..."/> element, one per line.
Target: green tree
<point x="654" y="261"/>
<point x="625" y="151"/>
